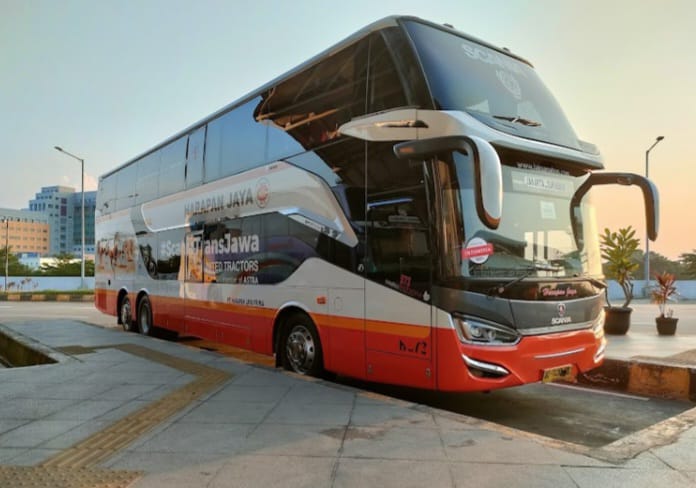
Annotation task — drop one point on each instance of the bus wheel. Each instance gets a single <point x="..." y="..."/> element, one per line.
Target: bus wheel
<point x="145" y="316"/>
<point x="302" y="349"/>
<point x="125" y="314"/>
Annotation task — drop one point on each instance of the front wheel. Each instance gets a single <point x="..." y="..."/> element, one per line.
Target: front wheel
<point x="301" y="346"/>
<point x="145" y="316"/>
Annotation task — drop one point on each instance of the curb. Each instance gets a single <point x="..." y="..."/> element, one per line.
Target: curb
<point x="40" y="297"/>
<point x="648" y="377"/>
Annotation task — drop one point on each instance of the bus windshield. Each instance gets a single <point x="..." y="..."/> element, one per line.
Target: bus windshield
<point x="535" y="237"/>
<point x="500" y="91"/>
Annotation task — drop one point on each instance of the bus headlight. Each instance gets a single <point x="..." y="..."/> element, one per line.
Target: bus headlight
<point x="598" y="326"/>
<point x="475" y="331"/>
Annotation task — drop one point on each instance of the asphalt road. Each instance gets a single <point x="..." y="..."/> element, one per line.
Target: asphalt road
<point x="568" y="413"/>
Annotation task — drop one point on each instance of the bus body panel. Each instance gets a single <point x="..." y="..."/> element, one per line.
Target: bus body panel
<point x="264" y="209"/>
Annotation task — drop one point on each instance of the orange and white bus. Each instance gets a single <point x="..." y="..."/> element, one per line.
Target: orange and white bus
<point x="410" y="206"/>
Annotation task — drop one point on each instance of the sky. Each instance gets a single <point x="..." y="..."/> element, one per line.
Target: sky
<point x="107" y="80"/>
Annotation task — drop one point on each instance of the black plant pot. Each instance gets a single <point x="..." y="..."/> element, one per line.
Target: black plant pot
<point x="617" y="320"/>
<point x="666" y="325"/>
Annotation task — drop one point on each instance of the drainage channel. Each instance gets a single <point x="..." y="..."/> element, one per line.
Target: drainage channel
<point x="20" y="352"/>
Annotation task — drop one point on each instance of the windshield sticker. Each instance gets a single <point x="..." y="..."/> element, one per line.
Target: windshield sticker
<point x="548" y="210"/>
<point x="510" y="83"/>
<point x="540" y="183"/>
<point x="540" y="167"/>
<point x="488" y="56"/>
<point x="477" y="251"/>
<point x="404" y="286"/>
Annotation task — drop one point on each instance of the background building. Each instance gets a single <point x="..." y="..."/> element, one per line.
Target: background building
<point x="62" y="206"/>
<point x="90" y="206"/>
<point x="24" y="231"/>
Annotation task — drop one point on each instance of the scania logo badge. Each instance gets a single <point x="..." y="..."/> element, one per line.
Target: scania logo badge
<point x="561" y="319"/>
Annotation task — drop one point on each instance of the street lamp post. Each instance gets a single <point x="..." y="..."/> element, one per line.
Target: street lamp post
<point x="82" y="163"/>
<point x="7" y="250"/>
<point x="647" y="240"/>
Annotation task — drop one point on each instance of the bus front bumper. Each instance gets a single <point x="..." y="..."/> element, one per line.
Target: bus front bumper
<point x="476" y="368"/>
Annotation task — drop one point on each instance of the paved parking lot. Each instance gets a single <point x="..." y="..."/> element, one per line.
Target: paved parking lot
<point x="100" y="414"/>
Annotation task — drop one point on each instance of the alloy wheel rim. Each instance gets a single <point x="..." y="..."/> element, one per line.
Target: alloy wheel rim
<point x="300" y="349"/>
<point x="145" y="319"/>
<point x="126" y="314"/>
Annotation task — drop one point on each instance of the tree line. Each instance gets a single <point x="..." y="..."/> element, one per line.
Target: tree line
<point x="683" y="268"/>
<point x="64" y="264"/>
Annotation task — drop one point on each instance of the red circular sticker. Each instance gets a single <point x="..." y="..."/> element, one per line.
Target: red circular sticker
<point x="477" y="251"/>
<point x="263" y="192"/>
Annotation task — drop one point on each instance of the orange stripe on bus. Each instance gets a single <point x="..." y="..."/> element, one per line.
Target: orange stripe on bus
<point x="374" y="326"/>
<point x="324" y="320"/>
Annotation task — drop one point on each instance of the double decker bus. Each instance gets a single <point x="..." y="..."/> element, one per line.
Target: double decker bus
<point x="411" y="206"/>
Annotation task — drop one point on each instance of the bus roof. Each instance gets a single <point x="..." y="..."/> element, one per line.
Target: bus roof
<point x="386" y="22"/>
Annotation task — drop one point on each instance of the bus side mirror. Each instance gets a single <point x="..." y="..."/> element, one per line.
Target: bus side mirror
<point x="651" y="198"/>
<point x="488" y="172"/>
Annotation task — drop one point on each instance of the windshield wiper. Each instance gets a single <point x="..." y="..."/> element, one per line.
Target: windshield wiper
<point x="518" y="120"/>
<point x="529" y="271"/>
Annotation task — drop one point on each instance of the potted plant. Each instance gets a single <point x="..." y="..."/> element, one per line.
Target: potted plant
<point x="663" y="291"/>
<point x="618" y="249"/>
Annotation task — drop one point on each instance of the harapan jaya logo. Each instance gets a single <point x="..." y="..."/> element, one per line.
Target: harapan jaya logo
<point x="216" y="203"/>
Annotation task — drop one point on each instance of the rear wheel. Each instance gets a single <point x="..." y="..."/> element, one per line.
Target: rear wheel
<point x="125" y="314"/>
<point x="145" y="316"/>
<point x="301" y="346"/>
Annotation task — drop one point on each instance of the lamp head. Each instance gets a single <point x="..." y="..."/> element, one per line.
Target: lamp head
<point x="659" y="138"/>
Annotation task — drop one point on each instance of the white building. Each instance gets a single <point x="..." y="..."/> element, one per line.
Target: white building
<point x="62" y="206"/>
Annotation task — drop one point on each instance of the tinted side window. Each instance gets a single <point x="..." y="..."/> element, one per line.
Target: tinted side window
<point x="125" y="187"/>
<point x="106" y="196"/>
<point x="147" y="182"/>
<point x="398" y="251"/>
<point x="167" y="255"/>
<point x="306" y="110"/>
<point x="194" y="158"/>
<point x="385" y="86"/>
<point x="231" y="250"/>
<point x="172" y="166"/>
<point x="235" y="142"/>
<point x="406" y="67"/>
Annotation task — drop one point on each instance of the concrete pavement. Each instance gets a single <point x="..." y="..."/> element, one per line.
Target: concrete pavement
<point x="129" y="410"/>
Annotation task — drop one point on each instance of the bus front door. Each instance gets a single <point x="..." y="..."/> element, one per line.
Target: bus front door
<point x="399" y="340"/>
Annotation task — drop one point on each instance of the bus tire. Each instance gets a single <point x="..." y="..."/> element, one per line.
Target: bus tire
<point x="125" y="314"/>
<point x="145" y="316"/>
<point x="301" y="347"/>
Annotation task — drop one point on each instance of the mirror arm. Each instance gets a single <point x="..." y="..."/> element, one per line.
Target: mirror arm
<point x="426" y="148"/>
<point x="650" y="197"/>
